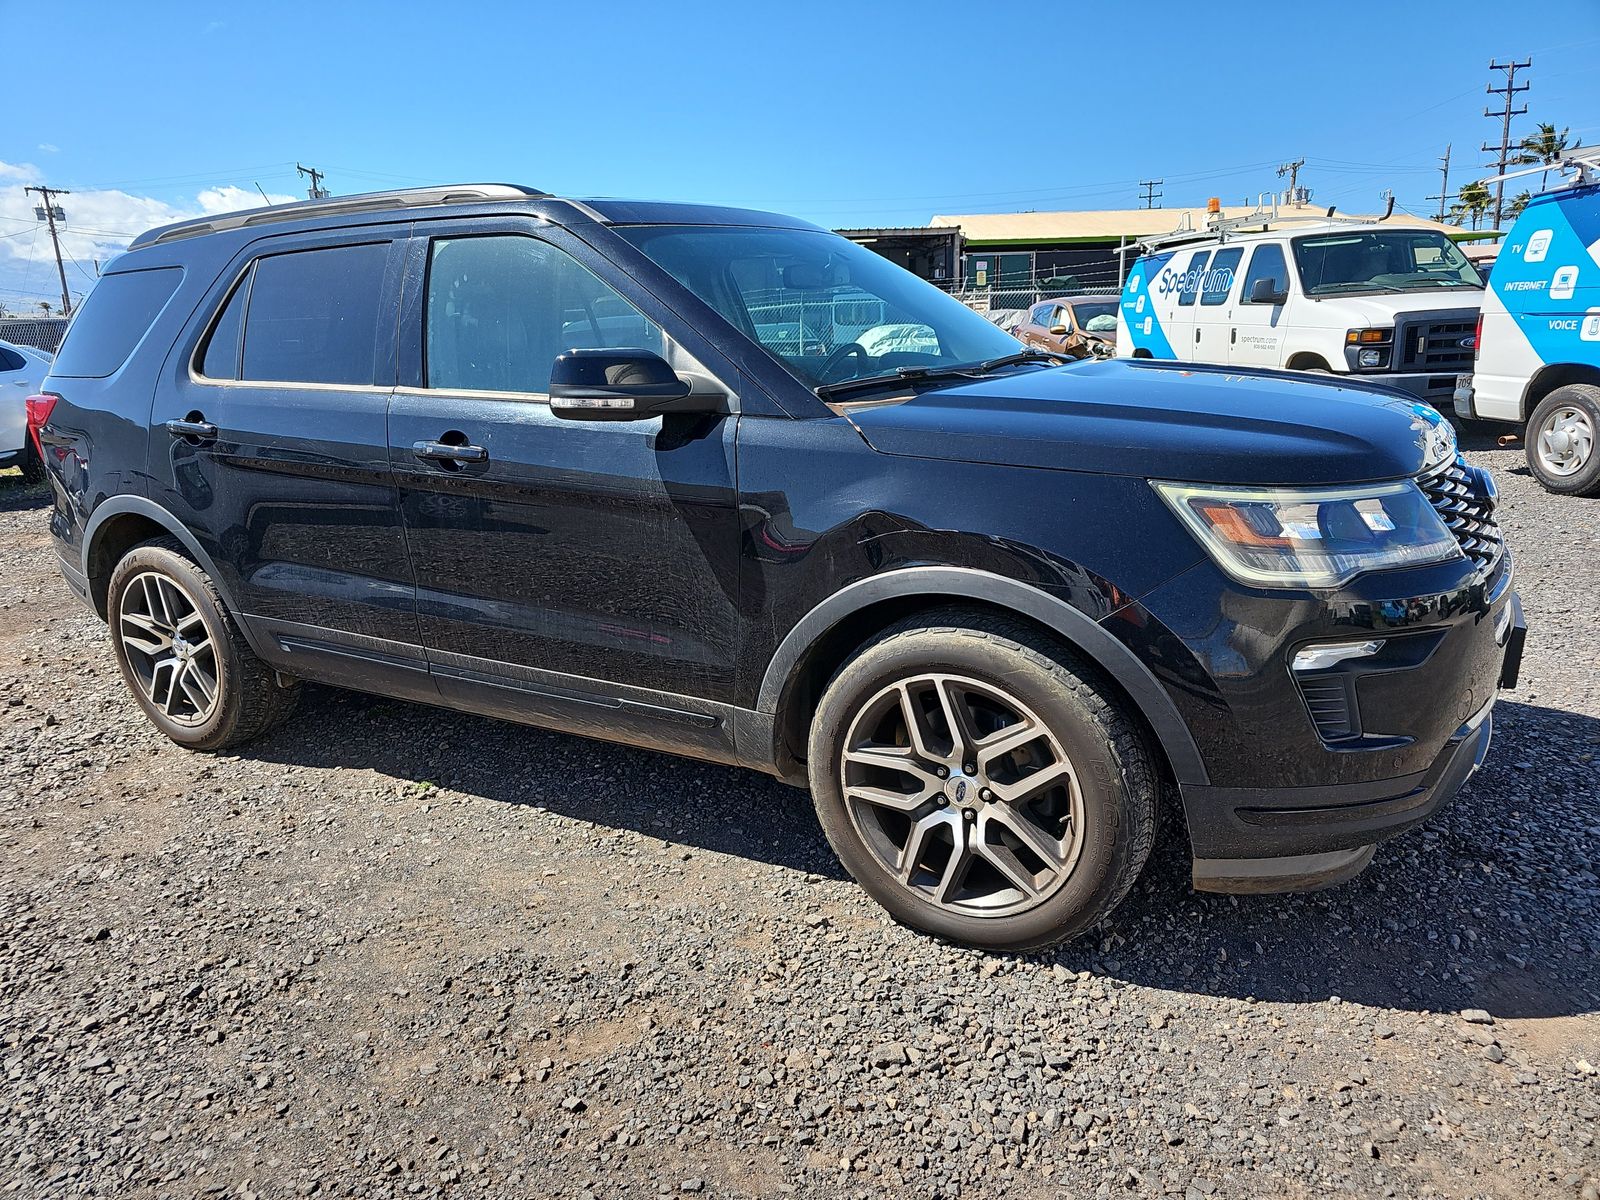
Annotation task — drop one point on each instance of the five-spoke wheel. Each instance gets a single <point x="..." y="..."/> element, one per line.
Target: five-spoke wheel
<point x="172" y="653"/>
<point x="981" y="782"/>
<point x="963" y="793"/>
<point x="182" y="655"/>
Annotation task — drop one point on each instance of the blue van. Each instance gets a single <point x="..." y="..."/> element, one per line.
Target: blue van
<point x="1538" y="340"/>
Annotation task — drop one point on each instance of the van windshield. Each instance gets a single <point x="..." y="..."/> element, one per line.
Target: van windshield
<point x="1371" y="261"/>
<point x="826" y="308"/>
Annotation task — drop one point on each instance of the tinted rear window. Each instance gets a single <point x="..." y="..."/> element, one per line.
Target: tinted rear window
<point x="10" y="360"/>
<point x="117" y="314"/>
<point x="313" y="316"/>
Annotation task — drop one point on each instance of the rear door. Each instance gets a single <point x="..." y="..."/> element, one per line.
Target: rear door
<point x="558" y="562"/>
<point x="273" y="447"/>
<point x="1256" y="338"/>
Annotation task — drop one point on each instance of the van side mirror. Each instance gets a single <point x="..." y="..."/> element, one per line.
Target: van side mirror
<point x="621" y="385"/>
<point x="1268" y="291"/>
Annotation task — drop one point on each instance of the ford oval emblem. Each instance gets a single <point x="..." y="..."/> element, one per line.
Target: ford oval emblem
<point x="1469" y="343"/>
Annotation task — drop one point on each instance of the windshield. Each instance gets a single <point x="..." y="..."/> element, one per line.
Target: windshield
<point x="1409" y="261"/>
<point x="827" y="309"/>
<point x="1096" y="317"/>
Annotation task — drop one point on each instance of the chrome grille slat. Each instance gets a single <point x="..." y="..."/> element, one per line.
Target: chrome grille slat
<point x="1467" y="514"/>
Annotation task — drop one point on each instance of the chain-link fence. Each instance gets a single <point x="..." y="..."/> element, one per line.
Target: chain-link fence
<point x="41" y="333"/>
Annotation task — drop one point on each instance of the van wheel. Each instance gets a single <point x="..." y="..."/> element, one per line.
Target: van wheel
<point x="980" y="784"/>
<point x="182" y="656"/>
<point x="1562" y="438"/>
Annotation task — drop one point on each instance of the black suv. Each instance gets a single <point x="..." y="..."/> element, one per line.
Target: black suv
<point x="725" y="484"/>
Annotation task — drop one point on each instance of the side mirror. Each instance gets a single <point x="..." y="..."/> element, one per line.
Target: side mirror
<point x="1267" y="291"/>
<point x="1059" y="330"/>
<point x="621" y="385"/>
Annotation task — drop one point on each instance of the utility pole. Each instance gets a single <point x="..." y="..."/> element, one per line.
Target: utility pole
<point x="1150" y="193"/>
<point x="1502" y="152"/>
<point x="316" y="191"/>
<point x="1444" y="182"/>
<point x="1292" y="170"/>
<point x="50" y="212"/>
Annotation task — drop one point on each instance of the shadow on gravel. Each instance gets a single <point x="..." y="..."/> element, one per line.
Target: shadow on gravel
<point x="695" y="804"/>
<point x="1493" y="904"/>
<point x="16" y="494"/>
<point x="1490" y="905"/>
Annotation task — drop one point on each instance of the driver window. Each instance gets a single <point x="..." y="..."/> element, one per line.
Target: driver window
<point x="501" y="308"/>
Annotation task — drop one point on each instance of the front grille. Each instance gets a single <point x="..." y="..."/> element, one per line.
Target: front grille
<point x="1467" y="509"/>
<point x="1436" y="345"/>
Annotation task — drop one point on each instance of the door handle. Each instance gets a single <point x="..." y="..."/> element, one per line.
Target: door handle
<point x="195" y="427"/>
<point x="1233" y="337"/>
<point x="447" y="452"/>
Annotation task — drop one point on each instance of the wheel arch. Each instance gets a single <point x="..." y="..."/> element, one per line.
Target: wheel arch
<point x="825" y="637"/>
<point x="1307" y="360"/>
<point x="1552" y="376"/>
<point x="123" y="522"/>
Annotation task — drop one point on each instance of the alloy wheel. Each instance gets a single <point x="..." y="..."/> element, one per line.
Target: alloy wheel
<point x="963" y="794"/>
<point x="170" y="651"/>
<point x="1565" y="441"/>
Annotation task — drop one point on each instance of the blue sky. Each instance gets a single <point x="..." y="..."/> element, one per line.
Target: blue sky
<point x="848" y="114"/>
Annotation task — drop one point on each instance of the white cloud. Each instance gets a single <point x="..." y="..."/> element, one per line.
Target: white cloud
<point x="49" y="148"/>
<point x="99" y="224"/>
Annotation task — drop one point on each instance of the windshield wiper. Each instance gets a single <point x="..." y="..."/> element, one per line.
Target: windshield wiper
<point x="957" y="371"/>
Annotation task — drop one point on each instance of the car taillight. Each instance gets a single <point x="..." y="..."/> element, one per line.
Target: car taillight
<point x="1477" y="338"/>
<point x="39" y="409"/>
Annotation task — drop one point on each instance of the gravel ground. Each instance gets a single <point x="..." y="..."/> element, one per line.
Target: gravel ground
<point x="392" y="951"/>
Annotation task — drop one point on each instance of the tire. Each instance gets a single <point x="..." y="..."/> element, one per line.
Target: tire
<point x="1089" y="826"/>
<point x="171" y="633"/>
<point x="1562" y="441"/>
<point x="32" y="465"/>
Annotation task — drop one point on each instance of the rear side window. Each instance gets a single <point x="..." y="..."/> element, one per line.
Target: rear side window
<point x="1220" y="277"/>
<point x="221" y="357"/>
<point x="117" y="314"/>
<point x="10" y="360"/>
<point x="313" y="316"/>
<point x="1190" y="285"/>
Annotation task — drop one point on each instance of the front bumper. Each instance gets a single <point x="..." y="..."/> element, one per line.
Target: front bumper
<point x="1304" y="839"/>
<point x="1437" y="388"/>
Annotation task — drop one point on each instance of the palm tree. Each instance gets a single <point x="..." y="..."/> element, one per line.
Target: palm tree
<point x="1547" y="146"/>
<point x="44" y="305"/>
<point x="1516" y="204"/>
<point x="1471" y="202"/>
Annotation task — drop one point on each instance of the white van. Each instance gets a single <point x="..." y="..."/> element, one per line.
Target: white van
<point x="1392" y="303"/>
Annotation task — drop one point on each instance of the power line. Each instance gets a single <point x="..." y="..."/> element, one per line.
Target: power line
<point x="1150" y="193"/>
<point x="49" y="211"/>
<point x="1503" y="150"/>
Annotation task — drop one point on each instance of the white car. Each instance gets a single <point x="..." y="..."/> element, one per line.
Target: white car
<point x="22" y="372"/>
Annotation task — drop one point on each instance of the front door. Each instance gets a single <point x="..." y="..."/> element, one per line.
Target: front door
<point x="1257" y="335"/>
<point x="272" y="446"/>
<point x="554" y="557"/>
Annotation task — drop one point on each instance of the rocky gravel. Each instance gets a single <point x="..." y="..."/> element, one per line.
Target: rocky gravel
<point x="392" y="951"/>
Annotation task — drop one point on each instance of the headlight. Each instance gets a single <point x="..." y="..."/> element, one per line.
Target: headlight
<point x="1312" y="537"/>
<point x="1370" y="358"/>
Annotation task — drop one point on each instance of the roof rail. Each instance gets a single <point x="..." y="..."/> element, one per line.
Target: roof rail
<point x="419" y="197"/>
<point x="1581" y="162"/>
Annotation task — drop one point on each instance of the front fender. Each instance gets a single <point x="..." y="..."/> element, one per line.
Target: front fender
<point x="945" y="583"/>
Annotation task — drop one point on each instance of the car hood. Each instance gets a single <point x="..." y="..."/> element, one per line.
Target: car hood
<point x="1161" y="421"/>
<point x="1381" y="308"/>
